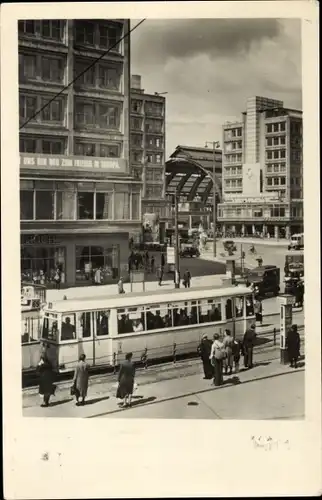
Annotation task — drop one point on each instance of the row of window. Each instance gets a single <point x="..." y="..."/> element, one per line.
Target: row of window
<point x="153" y="192"/>
<point x="152" y="126"/>
<point x="145" y="318"/>
<point x="150" y="141"/>
<point x="150" y="107"/>
<point x="276" y="181"/>
<point x="44" y="200"/>
<point x="94" y="114"/>
<point x="296" y="193"/>
<point x="251" y="212"/>
<point x="57" y="146"/>
<point x="154" y="174"/>
<point x="297" y="211"/>
<point x="154" y="158"/>
<point x="276" y="167"/>
<point x="279" y="153"/>
<point x="233" y="183"/>
<point x="233" y="158"/>
<point x="156" y="209"/>
<point x="296" y="156"/>
<point x="104" y="36"/>
<point x="276" y="141"/>
<point x="275" y="127"/>
<point x="232" y="133"/>
<point x="231" y="146"/>
<point x="296" y="181"/>
<point x="233" y="171"/>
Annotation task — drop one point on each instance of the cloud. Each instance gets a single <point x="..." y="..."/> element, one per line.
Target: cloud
<point x="210" y="67"/>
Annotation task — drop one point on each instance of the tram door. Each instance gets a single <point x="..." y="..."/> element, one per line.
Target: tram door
<point x="103" y="342"/>
<point x="230" y="315"/>
<point x="86" y="336"/>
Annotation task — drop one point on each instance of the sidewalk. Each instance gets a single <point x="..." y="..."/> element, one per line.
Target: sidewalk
<point x="99" y="291"/>
<point x="259" y="241"/>
<point x="102" y="401"/>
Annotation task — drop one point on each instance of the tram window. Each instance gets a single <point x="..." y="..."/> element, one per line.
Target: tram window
<point x="102" y="323"/>
<point x="84" y="324"/>
<point x="131" y="320"/>
<point x="68" y="327"/>
<point x="229" y="309"/>
<point x="249" y="306"/>
<point x="50" y="329"/>
<point x="193" y="313"/>
<point x="210" y="311"/>
<point x="157" y="317"/>
<point x="239" y="306"/>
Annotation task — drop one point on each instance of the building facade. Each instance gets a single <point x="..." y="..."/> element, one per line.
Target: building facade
<point x="79" y="201"/>
<point x="147" y="128"/>
<point x="263" y="171"/>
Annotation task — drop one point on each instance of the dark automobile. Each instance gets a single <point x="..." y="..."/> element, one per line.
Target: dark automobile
<point x="189" y="251"/>
<point x="264" y="280"/>
<point x="229" y="246"/>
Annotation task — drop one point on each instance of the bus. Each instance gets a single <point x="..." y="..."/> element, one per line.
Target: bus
<point x="105" y="329"/>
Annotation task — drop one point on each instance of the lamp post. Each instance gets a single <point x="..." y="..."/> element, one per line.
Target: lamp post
<point x="176" y="243"/>
<point x="215" y="144"/>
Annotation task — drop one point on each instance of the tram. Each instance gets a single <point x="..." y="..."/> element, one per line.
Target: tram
<point x="105" y="329"/>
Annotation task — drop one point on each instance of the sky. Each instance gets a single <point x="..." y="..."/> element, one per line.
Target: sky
<point x="209" y="67"/>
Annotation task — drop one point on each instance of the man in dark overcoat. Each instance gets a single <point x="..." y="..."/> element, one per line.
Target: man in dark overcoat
<point x="204" y="350"/>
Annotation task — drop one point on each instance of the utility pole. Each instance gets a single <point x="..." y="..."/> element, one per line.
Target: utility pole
<point x="176" y="243"/>
<point x="214" y="201"/>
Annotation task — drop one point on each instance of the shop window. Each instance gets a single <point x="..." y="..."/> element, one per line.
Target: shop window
<point x="26" y="205"/>
<point x="89" y="259"/>
<point x="45" y="205"/>
<point x="39" y="264"/>
<point x="104" y="206"/>
<point x="85" y="205"/>
<point x="68" y="327"/>
<point x="121" y="206"/>
<point x="102" y="320"/>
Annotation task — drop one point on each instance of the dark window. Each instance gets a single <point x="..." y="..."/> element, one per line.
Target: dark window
<point x="85" y="205"/>
<point x="44" y="205"/>
<point x="26" y="205"/>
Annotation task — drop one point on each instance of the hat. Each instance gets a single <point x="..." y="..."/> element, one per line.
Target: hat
<point x="204" y="337"/>
<point x="253" y="326"/>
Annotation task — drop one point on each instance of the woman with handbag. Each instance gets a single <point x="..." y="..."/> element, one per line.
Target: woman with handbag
<point x="80" y="380"/>
<point x="46" y="385"/>
<point x="126" y="380"/>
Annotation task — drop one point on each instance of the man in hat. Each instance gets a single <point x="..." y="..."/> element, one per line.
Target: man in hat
<point x="293" y="345"/>
<point x="248" y="345"/>
<point x="204" y="350"/>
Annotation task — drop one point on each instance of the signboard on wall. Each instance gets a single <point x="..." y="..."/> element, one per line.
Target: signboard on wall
<point x="170" y="255"/>
<point x="28" y="160"/>
<point x="251" y="179"/>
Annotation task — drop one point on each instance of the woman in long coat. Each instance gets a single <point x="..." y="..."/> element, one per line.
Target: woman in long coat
<point x="293" y="345"/>
<point x="46" y="385"/>
<point x="228" y="345"/>
<point x="80" y="380"/>
<point x="126" y="380"/>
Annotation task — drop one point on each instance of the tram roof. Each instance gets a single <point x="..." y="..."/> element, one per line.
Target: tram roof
<point x="145" y="298"/>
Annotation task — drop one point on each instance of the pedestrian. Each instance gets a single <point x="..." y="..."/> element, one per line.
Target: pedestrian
<point x="228" y="345"/>
<point x="248" y="346"/>
<point x="186" y="279"/>
<point x="80" y="380"/>
<point x="98" y="276"/>
<point x="120" y="286"/>
<point x="237" y="350"/>
<point x="46" y="385"/>
<point x="299" y="294"/>
<point x="217" y="357"/>
<point x="258" y="309"/>
<point x="152" y="264"/>
<point x="204" y="351"/>
<point x="160" y="275"/>
<point x="147" y="260"/>
<point x="293" y="345"/>
<point x="126" y="380"/>
<point x="57" y="278"/>
<point x="162" y="260"/>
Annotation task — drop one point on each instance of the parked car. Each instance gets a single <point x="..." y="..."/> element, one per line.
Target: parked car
<point x="189" y="251"/>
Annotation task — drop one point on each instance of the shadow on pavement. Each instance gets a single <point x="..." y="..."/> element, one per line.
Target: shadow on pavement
<point x="143" y="400"/>
<point x="96" y="400"/>
<point x="261" y="363"/>
<point x="61" y="402"/>
<point x="301" y="364"/>
<point x="233" y="380"/>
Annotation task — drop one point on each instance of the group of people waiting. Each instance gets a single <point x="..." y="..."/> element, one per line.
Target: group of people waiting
<point x="220" y="356"/>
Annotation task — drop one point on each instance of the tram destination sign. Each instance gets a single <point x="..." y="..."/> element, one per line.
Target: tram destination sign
<point x="33" y="161"/>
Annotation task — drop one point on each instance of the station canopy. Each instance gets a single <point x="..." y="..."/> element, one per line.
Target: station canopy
<point x="189" y="172"/>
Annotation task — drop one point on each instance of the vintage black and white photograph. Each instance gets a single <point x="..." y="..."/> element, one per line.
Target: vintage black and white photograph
<point x="161" y="212"/>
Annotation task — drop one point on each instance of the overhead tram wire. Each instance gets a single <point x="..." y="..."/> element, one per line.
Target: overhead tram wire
<point x="81" y="73"/>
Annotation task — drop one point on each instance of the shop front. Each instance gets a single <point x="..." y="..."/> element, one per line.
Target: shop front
<point x="75" y="256"/>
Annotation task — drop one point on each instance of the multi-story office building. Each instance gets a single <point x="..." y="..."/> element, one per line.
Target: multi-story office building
<point x="147" y="127"/>
<point x="79" y="200"/>
<point x="263" y="171"/>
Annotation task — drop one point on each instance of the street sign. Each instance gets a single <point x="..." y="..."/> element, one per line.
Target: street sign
<point x="170" y="255"/>
<point x="137" y="276"/>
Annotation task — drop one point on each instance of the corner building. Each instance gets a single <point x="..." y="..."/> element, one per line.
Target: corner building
<point x="79" y="201"/>
<point x="263" y="171"/>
